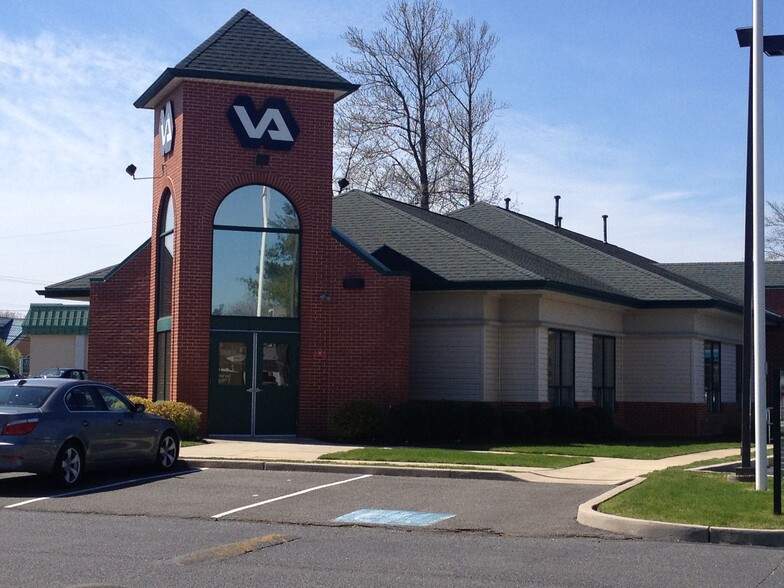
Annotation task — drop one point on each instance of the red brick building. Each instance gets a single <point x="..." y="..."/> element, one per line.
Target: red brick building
<point x="269" y="342"/>
<point x="267" y="303"/>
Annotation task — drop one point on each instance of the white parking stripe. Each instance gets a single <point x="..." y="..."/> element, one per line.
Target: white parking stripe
<point x="263" y="502"/>
<point x="106" y="487"/>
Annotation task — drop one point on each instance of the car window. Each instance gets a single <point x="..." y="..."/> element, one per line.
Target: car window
<point x="4" y="374"/>
<point x="114" y="402"/>
<point x="27" y="396"/>
<point x="80" y="399"/>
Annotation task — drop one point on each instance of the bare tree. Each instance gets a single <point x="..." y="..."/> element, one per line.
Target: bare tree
<point x="400" y="70"/>
<point x="472" y="145"/>
<point x="774" y="235"/>
<point x="418" y="130"/>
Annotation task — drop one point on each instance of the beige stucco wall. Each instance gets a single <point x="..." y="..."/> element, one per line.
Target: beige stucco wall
<point x="492" y="346"/>
<point x="48" y="351"/>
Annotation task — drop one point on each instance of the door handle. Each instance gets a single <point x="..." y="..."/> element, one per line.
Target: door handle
<point x="253" y="390"/>
<point x="85" y="423"/>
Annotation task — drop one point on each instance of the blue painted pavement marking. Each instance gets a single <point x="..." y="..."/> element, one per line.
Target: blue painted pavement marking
<point x="372" y="516"/>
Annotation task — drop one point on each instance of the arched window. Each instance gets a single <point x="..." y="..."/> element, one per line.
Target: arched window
<point x="255" y="255"/>
<point x="164" y="297"/>
<point x="165" y="256"/>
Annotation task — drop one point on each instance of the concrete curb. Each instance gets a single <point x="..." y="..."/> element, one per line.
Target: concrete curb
<point x="588" y="515"/>
<point x="376" y="470"/>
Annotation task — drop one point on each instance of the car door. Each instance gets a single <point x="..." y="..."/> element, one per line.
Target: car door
<point x="133" y="435"/>
<point x="90" y="421"/>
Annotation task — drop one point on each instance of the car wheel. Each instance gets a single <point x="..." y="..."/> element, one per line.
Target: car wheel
<point x="69" y="466"/>
<point x="168" y="450"/>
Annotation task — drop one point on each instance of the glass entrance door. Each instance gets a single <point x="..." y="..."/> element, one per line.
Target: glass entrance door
<point x="253" y="384"/>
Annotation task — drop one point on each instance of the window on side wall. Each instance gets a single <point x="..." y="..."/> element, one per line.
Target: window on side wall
<point x="604" y="371"/>
<point x="560" y="368"/>
<point x="713" y="375"/>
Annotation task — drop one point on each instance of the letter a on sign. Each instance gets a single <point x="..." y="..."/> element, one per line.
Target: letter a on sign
<point x="272" y="126"/>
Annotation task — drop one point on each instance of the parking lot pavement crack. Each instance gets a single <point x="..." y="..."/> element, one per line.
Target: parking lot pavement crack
<point x="230" y="550"/>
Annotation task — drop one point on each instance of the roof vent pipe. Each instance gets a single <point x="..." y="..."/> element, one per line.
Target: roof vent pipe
<point x="507" y="199"/>
<point x="604" y="218"/>
<point x="558" y="219"/>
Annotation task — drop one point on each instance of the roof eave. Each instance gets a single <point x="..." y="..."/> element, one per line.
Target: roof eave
<point x="553" y="286"/>
<point x="172" y="77"/>
<point x="75" y="294"/>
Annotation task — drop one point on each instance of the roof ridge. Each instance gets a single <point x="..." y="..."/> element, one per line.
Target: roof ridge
<point x="214" y="37"/>
<point x="654" y="270"/>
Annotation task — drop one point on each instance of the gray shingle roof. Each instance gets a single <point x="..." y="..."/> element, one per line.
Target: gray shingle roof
<point x="485" y="246"/>
<point x="246" y="49"/>
<point x="727" y="276"/>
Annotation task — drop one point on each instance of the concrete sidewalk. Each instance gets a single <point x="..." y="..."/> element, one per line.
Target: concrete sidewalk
<point x="603" y="471"/>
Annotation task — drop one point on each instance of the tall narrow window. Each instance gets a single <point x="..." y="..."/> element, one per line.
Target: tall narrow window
<point x="713" y="375"/>
<point x="164" y="297"/>
<point x="560" y="372"/>
<point x="604" y="371"/>
<point x="255" y="255"/>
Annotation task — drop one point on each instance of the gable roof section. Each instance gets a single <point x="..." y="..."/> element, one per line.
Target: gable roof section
<point x="451" y="251"/>
<point x="78" y="288"/>
<point x="56" y="319"/>
<point x="246" y="49"/>
<point x="487" y="247"/>
<point x="635" y="276"/>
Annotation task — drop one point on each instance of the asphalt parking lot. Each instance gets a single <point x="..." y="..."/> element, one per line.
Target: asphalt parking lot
<point x="324" y="499"/>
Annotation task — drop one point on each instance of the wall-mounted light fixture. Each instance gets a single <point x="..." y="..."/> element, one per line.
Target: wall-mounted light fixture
<point x="131" y="171"/>
<point x="343" y="184"/>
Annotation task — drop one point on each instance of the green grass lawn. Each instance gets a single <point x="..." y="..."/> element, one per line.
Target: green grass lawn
<point x="547" y="456"/>
<point x="637" y="450"/>
<point x="676" y="495"/>
<point x="456" y="456"/>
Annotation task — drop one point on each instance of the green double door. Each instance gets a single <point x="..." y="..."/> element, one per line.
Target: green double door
<point x="253" y="383"/>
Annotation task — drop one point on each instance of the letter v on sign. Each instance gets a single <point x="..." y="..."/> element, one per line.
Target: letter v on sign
<point x="272" y="126"/>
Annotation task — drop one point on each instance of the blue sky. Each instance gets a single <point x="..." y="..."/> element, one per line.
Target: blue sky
<point x="634" y="109"/>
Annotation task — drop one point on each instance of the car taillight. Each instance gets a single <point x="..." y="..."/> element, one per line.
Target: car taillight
<point x="19" y="427"/>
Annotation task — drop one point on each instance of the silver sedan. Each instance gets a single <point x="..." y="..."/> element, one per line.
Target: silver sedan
<point x="64" y="427"/>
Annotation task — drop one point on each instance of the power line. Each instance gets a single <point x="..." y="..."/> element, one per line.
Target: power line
<point x="18" y="280"/>
<point x="72" y="230"/>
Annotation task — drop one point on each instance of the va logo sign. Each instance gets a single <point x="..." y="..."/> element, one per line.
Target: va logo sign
<point x="272" y="126"/>
<point x="166" y="128"/>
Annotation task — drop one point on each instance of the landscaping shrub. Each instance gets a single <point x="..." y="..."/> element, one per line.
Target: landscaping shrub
<point x="518" y="425"/>
<point x="358" y="421"/>
<point x="409" y="423"/>
<point x="483" y="421"/>
<point x="449" y="421"/>
<point x="596" y="424"/>
<point x="185" y="416"/>
<point x="565" y="423"/>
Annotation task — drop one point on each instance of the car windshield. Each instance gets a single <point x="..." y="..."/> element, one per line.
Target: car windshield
<point x="53" y="372"/>
<point x="26" y="396"/>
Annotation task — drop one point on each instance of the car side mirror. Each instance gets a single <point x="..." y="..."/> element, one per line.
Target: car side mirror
<point x="139" y="407"/>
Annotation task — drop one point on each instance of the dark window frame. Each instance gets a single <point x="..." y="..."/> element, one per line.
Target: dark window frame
<point x="560" y="373"/>
<point x="164" y="298"/>
<point x="712" y="375"/>
<point x="604" y="391"/>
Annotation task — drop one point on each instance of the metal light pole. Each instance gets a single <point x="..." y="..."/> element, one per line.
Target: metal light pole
<point x="773" y="45"/>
